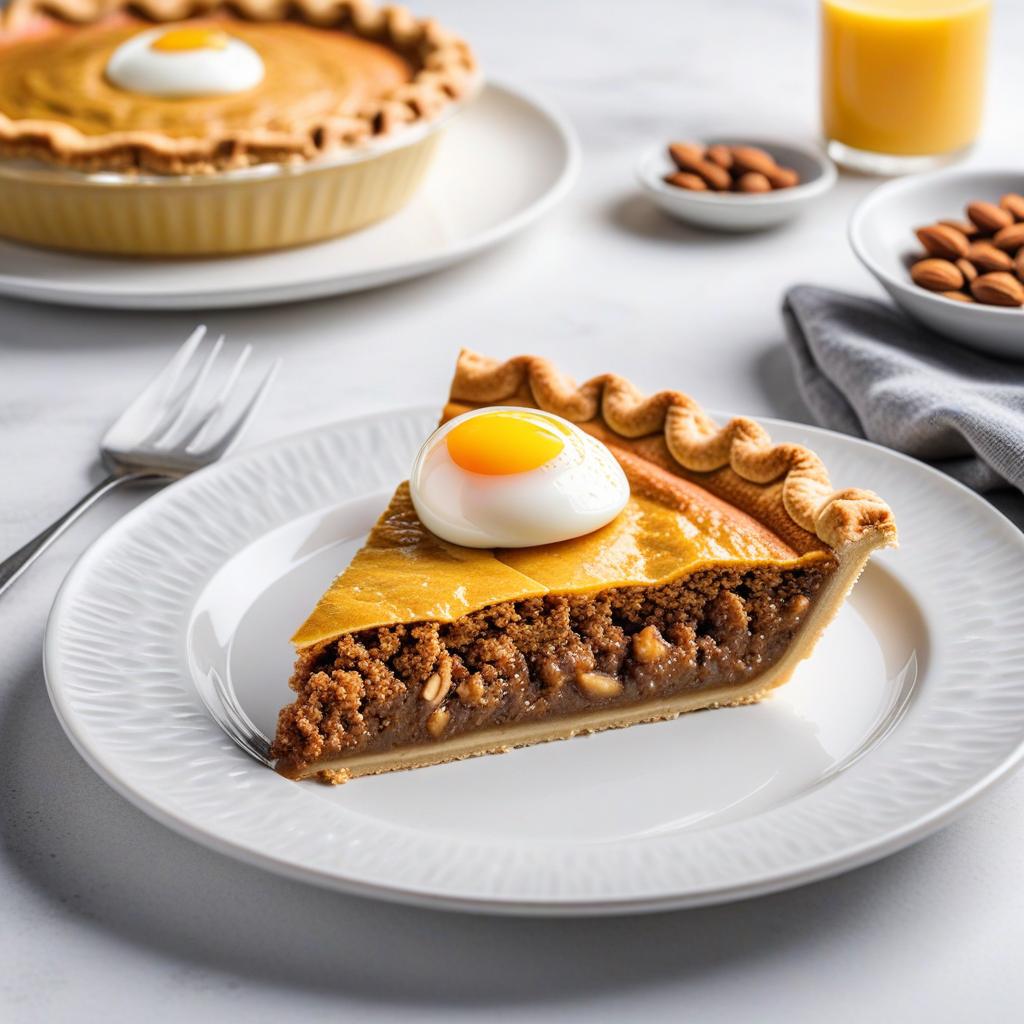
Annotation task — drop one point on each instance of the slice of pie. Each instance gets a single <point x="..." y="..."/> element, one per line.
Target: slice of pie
<point x="729" y="558"/>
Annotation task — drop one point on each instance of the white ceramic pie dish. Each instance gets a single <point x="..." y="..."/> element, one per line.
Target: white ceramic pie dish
<point x="881" y="233"/>
<point x="909" y="709"/>
<point x="251" y="210"/>
<point x="731" y="211"/>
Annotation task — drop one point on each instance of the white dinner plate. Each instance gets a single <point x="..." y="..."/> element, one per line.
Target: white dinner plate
<point x="503" y="162"/>
<point x="911" y="706"/>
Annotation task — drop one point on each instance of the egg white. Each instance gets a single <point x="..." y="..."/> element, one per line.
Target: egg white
<point x="136" y="67"/>
<point x="578" y="491"/>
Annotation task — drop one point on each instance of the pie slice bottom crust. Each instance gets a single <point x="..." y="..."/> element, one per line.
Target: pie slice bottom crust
<point x="710" y="606"/>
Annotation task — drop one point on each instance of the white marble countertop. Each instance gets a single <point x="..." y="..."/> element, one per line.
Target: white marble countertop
<point x="108" y="915"/>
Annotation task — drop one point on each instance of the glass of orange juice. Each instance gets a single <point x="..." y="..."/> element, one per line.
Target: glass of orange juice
<point x="902" y="81"/>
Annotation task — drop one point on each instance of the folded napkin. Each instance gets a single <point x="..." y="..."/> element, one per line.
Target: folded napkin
<point x="864" y="368"/>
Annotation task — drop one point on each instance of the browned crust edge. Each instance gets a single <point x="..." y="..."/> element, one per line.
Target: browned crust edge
<point x="448" y="73"/>
<point x="742" y="448"/>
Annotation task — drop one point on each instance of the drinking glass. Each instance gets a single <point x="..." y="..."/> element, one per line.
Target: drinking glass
<point x="902" y="81"/>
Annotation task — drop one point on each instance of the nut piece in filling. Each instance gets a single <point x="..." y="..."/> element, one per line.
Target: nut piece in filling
<point x="706" y="589"/>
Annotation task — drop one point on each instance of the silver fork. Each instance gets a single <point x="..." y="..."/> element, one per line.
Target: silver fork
<point x="169" y="431"/>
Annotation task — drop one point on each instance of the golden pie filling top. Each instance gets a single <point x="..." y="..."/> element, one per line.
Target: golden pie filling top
<point x="406" y="574"/>
<point x="63" y="72"/>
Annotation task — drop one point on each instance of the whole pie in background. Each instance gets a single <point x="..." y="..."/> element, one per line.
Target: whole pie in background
<point x="201" y="89"/>
<point x="720" y="561"/>
<point x="196" y="86"/>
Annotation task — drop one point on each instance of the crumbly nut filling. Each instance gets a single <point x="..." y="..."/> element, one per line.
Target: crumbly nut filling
<point x="407" y="685"/>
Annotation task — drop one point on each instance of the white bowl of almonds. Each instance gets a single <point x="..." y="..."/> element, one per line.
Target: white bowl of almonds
<point x="949" y="248"/>
<point x="735" y="183"/>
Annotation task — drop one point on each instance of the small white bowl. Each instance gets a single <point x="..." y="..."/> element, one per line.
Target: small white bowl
<point x="882" y="235"/>
<point x="738" y="211"/>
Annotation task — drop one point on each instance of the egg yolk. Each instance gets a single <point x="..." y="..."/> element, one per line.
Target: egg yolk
<point x="178" y="39"/>
<point x="502" y="443"/>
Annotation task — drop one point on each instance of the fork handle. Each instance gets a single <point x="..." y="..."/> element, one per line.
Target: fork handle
<point x="11" y="568"/>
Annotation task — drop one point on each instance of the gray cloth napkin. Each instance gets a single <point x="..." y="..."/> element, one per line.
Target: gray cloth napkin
<point x="865" y="369"/>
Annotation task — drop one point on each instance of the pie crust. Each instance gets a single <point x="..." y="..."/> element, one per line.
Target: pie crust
<point x="785" y="486"/>
<point x="673" y="454"/>
<point x="444" y="72"/>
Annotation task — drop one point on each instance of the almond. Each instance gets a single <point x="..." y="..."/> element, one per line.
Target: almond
<point x="1018" y="264"/>
<point x="957" y="296"/>
<point x="552" y="674"/>
<point x="752" y="181"/>
<point x="965" y="227"/>
<point x="782" y="177"/>
<point x="437" y="721"/>
<point x="438" y="685"/>
<point x="686" y="154"/>
<point x="986" y="257"/>
<point x="687" y="158"/>
<point x="1009" y="239"/>
<point x="687" y="180"/>
<point x="598" y="685"/>
<point x="943" y="241"/>
<point x="649" y="645"/>
<point x="431" y="691"/>
<point x="751" y="158"/>
<point x="717" y="177"/>
<point x="721" y="155"/>
<point x="988" y="216"/>
<point x="998" y="289"/>
<point x="937" y="275"/>
<point x="1013" y="204"/>
<point x="968" y="269"/>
